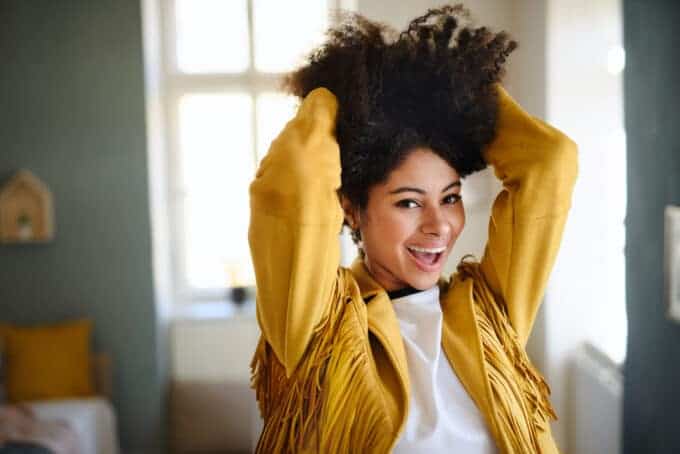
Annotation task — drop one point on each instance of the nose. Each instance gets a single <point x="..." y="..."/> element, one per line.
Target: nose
<point x="435" y="223"/>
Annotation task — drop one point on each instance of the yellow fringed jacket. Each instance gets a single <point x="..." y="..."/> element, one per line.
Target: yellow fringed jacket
<point x="330" y="370"/>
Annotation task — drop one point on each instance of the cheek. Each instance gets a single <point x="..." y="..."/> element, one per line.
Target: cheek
<point x="399" y="225"/>
<point x="457" y="220"/>
<point x="387" y="230"/>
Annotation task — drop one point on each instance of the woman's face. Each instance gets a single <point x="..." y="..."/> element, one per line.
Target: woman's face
<point x="412" y="221"/>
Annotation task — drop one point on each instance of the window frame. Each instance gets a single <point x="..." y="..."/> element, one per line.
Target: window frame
<point x="174" y="85"/>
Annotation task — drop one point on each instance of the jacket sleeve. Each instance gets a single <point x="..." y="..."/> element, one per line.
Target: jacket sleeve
<point x="294" y="225"/>
<point x="537" y="165"/>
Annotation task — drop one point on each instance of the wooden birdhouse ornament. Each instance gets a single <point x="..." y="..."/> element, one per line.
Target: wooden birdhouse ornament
<point x="26" y="213"/>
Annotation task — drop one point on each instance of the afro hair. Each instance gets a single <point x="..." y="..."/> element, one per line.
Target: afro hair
<point x="429" y="86"/>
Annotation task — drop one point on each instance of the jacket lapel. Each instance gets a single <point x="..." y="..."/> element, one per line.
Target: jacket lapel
<point x="463" y="347"/>
<point x="384" y="325"/>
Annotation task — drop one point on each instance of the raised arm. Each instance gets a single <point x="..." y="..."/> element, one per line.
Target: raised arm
<point x="537" y="165"/>
<point x="294" y="225"/>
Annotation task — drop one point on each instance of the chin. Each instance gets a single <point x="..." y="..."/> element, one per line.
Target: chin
<point x="423" y="282"/>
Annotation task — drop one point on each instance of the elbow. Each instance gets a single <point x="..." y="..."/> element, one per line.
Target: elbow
<point x="561" y="171"/>
<point x="562" y="162"/>
<point x="566" y="159"/>
<point x="279" y="338"/>
<point x="551" y="179"/>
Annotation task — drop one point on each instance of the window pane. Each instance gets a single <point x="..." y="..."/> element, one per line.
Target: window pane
<point x="286" y="31"/>
<point x="212" y="35"/>
<point x="274" y="110"/>
<point x="217" y="167"/>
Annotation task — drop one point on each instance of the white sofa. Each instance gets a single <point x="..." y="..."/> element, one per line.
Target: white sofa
<point x="92" y="419"/>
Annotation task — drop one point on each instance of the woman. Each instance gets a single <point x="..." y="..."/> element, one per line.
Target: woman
<point x="388" y="356"/>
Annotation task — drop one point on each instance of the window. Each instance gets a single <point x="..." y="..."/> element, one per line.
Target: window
<point x="223" y="60"/>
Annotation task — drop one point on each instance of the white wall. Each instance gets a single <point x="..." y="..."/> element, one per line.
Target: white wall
<point x="585" y="299"/>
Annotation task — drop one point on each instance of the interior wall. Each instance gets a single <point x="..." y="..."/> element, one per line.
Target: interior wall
<point x="652" y="101"/>
<point x="72" y="91"/>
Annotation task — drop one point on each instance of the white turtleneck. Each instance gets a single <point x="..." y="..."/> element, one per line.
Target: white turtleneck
<point x="442" y="417"/>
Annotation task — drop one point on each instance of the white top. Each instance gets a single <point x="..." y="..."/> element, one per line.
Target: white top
<point x="442" y="417"/>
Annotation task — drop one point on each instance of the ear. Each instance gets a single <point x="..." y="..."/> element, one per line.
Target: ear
<point x="351" y="212"/>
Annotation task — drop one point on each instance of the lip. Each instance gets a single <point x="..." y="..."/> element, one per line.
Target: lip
<point x="428" y="268"/>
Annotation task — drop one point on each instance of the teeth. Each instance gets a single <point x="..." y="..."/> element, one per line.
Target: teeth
<point x="430" y="251"/>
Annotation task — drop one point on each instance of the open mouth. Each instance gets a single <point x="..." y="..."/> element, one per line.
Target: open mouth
<point x="428" y="259"/>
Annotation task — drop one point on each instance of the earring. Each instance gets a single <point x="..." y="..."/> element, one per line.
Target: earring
<point x="356" y="237"/>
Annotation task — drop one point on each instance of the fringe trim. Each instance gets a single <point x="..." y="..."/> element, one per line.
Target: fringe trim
<point x="354" y="417"/>
<point x="327" y="405"/>
<point x="520" y="393"/>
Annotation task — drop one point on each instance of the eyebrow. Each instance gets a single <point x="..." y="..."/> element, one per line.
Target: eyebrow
<point x="421" y="191"/>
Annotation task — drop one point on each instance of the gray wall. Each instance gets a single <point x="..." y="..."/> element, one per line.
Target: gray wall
<point x="652" y="105"/>
<point x="72" y="111"/>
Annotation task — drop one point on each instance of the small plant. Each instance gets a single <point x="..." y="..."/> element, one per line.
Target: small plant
<point x="23" y="220"/>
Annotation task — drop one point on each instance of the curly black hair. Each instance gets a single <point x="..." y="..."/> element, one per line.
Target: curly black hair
<point x="429" y="86"/>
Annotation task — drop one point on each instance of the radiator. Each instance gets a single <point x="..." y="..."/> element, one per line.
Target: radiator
<point x="595" y="405"/>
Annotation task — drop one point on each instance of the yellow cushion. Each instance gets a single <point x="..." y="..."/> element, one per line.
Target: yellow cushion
<point x="48" y="362"/>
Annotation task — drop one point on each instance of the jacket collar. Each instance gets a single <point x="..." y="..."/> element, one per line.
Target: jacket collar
<point x="368" y="286"/>
<point x="382" y="320"/>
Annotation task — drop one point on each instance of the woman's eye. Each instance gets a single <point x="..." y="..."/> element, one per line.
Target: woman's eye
<point x="452" y="198"/>
<point x="407" y="203"/>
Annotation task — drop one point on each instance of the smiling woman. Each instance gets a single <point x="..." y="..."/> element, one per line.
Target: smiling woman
<point x="389" y="355"/>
